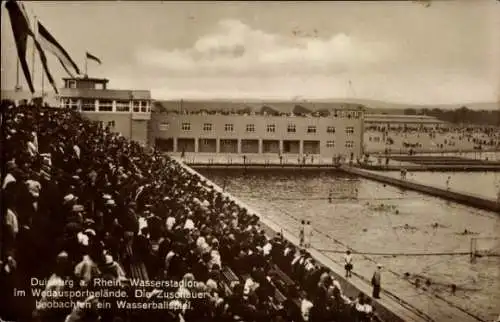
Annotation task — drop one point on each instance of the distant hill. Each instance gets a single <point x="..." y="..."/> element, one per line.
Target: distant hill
<point x="250" y="105"/>
<point x="391" y="108"/>
<point x="372" y="106"/>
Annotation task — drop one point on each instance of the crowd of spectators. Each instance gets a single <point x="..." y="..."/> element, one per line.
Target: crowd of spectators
<point x="428" y="139"/>
<point x="297" y="111"/>
<point x="85" y="211"/>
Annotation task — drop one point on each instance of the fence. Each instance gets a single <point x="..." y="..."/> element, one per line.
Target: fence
<point x="484" y="247"/>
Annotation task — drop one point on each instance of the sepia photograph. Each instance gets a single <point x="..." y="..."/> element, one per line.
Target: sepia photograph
<point x="251" y="161"/>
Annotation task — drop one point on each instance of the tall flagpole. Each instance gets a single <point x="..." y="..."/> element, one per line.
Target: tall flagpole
<point x="33" y="52"/>
<point x="86" y="60"/>
<point x="43" y="85"/>
<point x="18" y="87"/>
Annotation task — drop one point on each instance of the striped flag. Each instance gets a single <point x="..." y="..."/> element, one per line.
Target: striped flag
<point x="94" y="58"/>
<point x="41" y="53"/>
<point x="43" y="58"/>
<point x="21" y="30"/>
<point x="49" y="43"/>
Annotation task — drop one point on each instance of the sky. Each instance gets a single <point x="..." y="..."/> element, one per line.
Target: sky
<point x="398" y="51"/>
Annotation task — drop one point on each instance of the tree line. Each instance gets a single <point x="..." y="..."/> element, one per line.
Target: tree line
<point x="462" y="115"/>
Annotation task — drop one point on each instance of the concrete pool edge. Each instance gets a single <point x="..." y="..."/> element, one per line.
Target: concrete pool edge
<point x="456" y="196"/>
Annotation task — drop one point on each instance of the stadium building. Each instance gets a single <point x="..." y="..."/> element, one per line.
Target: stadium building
<point x="238" y="128"/>
<point x="325" y="131"/>
<point x="126" y="111"/>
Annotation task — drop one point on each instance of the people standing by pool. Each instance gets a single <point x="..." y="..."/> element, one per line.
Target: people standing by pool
<point x="301" y="233"/>
<point x="348" y="264"/>
<point x="403" y="173"/>
<point x="376" y="282"/>
<point x="308" y="232"/>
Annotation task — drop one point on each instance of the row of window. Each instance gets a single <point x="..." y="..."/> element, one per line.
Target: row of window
<point x="329" y="144"/>
<point x="270" y="128"/>
<point x="89" y="105"/>
<point x="73" y="84"/>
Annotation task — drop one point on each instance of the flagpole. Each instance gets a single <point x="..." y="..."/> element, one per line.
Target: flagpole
<point x="35" y="30"/>
<point x="86" y="60"/>
<point x="17" y="88"/>
<point x="33" y="53"/>
<point x="43" y="85"/>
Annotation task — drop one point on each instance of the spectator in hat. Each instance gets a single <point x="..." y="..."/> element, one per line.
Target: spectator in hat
<point x="11" y="223"/>
<point x="87" y="269"/>
<point x="86" y="310"/>
<point x="376" y="281"/>
<point x="10" y="176"/>
<point x="348" y="264"/>
<point x="305" y="308"/>
<point x="189" y="224"/>
<point x="170" y="223"/>
<point x="76" y="215"/>
<point x="308" y="233"/>
<point x="69" y="198"/>
<point x="302" y="233"/>
<point x="111" y="269"/>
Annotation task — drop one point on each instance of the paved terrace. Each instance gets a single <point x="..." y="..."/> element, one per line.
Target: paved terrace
<point x="433" y="163"/>
<point x="261" y="159"/>
<point x="399" y="298"/>
<point x="435" y="167"/>
<point x="293" y="161"/>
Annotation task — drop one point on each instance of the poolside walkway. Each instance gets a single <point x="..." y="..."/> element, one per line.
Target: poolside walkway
<point x="262" y="159"/>
<point x="468" y="199"/>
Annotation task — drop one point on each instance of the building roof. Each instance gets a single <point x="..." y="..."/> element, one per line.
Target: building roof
<point x="257" y="107"/>
<point x="93" y="79"/>
<point x="401" y="118"/>
<point x="112" y="94"/>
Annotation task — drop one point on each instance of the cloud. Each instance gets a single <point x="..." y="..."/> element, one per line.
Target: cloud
<point x="235" y="48"/>
<point x="235" y="60"/>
